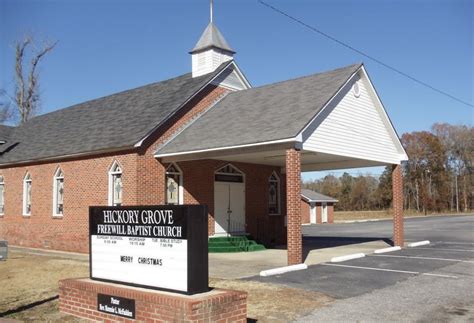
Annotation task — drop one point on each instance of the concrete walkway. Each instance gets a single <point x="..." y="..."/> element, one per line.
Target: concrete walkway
<point x="247" y="264"/>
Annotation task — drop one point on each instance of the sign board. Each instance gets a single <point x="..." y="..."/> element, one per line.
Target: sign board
<point x="116" y="305"/>
<point x="158" y="247"/>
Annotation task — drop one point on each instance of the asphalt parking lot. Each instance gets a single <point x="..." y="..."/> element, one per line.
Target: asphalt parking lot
<point x="438" y="277"/>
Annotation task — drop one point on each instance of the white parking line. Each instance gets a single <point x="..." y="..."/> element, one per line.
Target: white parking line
<point x="439" y="275"/>
<point x="441" y="249"/>
<point x="448" y="242"/>
<point x="390" y="270"/>
<point x="371" y="268"/>
<point x="428" y="258"/>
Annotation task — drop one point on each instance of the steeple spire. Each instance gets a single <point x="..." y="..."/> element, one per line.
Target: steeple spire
<point x="211" y="50"/>
<point x="212" y="13"/>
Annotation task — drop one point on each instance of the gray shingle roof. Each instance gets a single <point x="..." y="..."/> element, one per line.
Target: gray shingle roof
<point x="5" y="132"/>
<point x="112" y="122"/>
<point x="211" y="37"/>
<point x="313" y="196"/>
<point x="272" y="112"/>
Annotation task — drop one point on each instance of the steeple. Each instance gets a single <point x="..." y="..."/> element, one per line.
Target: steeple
<point x="211" y="50"/>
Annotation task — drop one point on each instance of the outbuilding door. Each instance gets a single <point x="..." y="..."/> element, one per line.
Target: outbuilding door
<point x="312" y="213"/>
<point x="229" y="201"/>
<point x="324" y="213"/>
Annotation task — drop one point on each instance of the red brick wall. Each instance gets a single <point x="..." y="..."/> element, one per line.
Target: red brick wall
<point x="85" y="184"/>
<point x="330" y="213"/>
<point x="305" y="212"/>
<point x="78" y="297"/>
<point x="198" y="180"/>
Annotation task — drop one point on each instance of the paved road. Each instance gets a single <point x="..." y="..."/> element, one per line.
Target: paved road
<point x="426" y="284"/>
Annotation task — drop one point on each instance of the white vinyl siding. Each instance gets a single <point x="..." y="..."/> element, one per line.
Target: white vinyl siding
<point x="208" y="61"/>
<point x="355" y="128"/>
<point x="230" y="79"/>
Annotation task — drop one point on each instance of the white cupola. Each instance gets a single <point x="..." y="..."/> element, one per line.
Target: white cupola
<point x="210" y="51"/>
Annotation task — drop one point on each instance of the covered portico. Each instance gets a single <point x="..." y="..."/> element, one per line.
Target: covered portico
<point x="292" y="159"/>
<point x="332" y="120"/>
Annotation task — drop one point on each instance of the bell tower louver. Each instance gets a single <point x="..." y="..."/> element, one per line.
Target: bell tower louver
<point x="211" y="50"/>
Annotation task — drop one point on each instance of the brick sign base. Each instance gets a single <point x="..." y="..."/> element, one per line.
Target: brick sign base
<point x="78" y="297"/>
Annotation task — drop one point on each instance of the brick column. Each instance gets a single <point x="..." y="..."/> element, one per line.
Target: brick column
<point x="397" y="194"/>
<point x="293" y="206"/>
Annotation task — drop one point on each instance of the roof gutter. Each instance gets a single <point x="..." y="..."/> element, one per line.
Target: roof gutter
<point x="71" y="156"/>
<point x="297" y="145"/>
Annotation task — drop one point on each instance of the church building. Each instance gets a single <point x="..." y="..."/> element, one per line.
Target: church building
<point x="205" y="137"/>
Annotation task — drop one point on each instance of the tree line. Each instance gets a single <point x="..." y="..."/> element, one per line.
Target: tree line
<point x="437" y="177"/>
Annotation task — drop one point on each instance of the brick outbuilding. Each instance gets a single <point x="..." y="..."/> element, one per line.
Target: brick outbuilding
<point x="206" y="137"/>
<point x="316" y="207"/>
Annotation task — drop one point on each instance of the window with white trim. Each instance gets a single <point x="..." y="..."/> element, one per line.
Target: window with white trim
<point x="174" y="185"/>
<point x="27" y="184"/>
<point x="2" y="195"/>
<point x="115" y="185"/>
<point x="58" y="193"/>
<point x="274" y="194"/>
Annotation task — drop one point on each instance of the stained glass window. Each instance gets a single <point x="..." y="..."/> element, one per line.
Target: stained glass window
<point x="116" y="187"/>
<point x="274" y="194"/>
<point x="58" y="192"/>
<point x="27" y="184"/>
<point x="173" y="184"/>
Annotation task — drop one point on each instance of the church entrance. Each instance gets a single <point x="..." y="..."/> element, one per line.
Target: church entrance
<point x="229" y="201"/>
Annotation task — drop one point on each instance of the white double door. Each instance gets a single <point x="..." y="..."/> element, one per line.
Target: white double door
<point x="229" y="208"/>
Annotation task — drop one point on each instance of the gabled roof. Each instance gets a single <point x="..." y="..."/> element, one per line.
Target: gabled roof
<point x="211" y="37"/>
<point x="261" y="114"/>
<point x="114" y="122"/>
<point x="312" y="196"/>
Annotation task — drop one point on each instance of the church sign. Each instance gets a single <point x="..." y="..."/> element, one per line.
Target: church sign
<point x="158" y="247"/>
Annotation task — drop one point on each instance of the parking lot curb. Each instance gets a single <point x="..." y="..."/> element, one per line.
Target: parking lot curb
<point x="419" y="243"/>
<point x="389" y="249"/>
<point x="348" y="257"/>
<point x="282" y="270"/>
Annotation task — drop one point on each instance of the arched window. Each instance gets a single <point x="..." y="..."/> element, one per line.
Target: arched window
<point x="27" y="184"/>
<point x="229" y="173"/>
<point x="274" y="194"/>
<point x="58" y="193"/>
<point x="2" y="195"/>
<point x="174" y="185"/>
<point x="115" y="185"/>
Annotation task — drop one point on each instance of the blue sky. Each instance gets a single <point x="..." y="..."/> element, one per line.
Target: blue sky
<point x="108" y="46"/>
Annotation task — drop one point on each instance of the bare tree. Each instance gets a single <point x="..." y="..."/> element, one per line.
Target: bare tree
<point x="27" y="96"/>
<point x="6" y="111"/>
